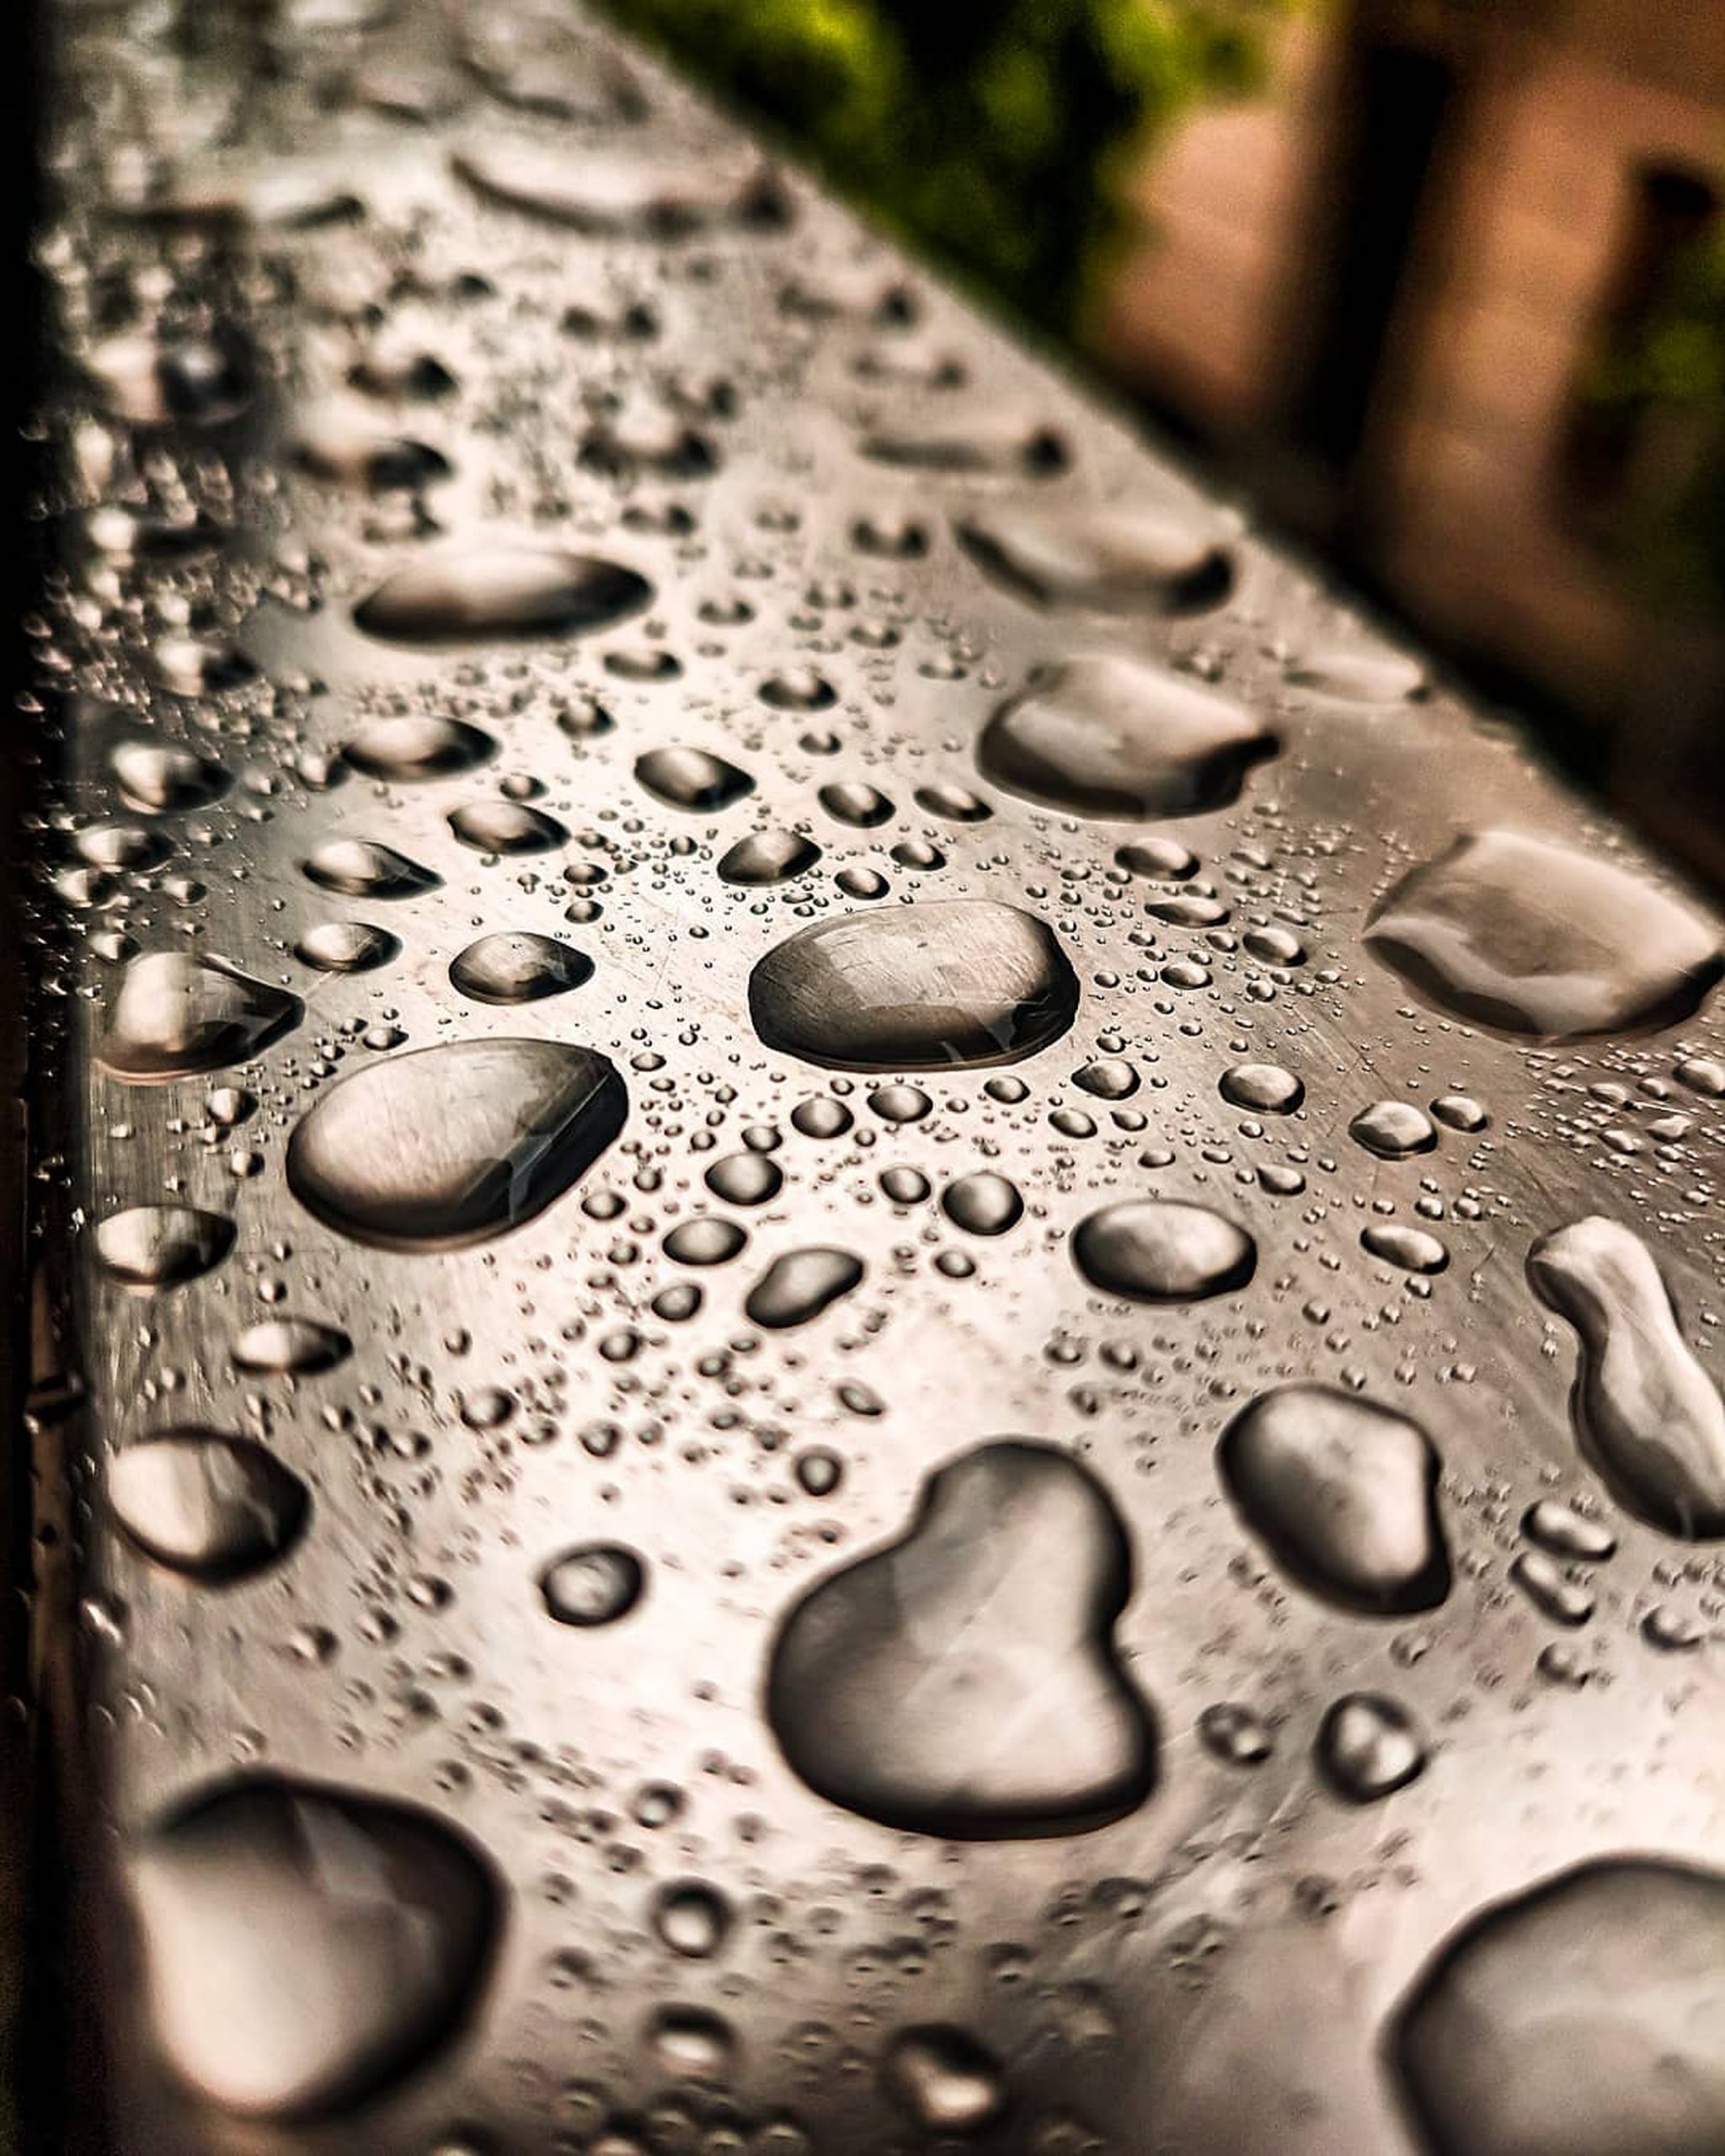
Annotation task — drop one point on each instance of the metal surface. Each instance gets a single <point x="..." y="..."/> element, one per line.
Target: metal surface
<point x="694" y="395"/>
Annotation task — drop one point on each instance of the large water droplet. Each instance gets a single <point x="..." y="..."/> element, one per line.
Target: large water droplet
<point x="417" y="746"/>
<point x="1647" y="1415"/>
<point x="622" y="198"/>
<point x="692" y="778"/>
<point x="504" y="826"/>
<point x="960" y="981"/>
<point x="365" y="868"/>
<point x="200" y="1503"/>
<point x="303" y="1946"/>
<point x="454" y="1144"/>
<point x="1106" y="736"/>
<point x="594" y="1585"/>
<point x="770" y="857"/>
<point x="1584" y="2018"/>
<point x="962" y="1681"/>
<point x="291" y="1346"/>
<point x="156" y="779"/>
<point x="1368" y="1747"/>
<point x="348" y="445"/>
<point x="346" y="946"/>
<point x="517" y="966"/>
<point x="479" y="589"/>
<point x="1534" y="938"/>
<point x="801" y="1284"/>
<point x="177" y="1016"/>
<point x="1156" y="1250"/>
<point x="161" y="1245"/>
<point x="1343" y="1493"/>
<point x="1114" y="561"/>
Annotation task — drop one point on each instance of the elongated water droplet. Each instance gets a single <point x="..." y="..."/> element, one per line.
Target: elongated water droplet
<point x="769" y="856"/>
<point x="1412" y="1249"/>
<point x="503" y="826"/>
<point x="1534" y="938"/>
<point x="487" y="589"/>
<point x="1106" y="736"/>
<point x="156" y="779"/>
<point x="303" y="1946"/>
<point x="365" y="868"/>
<point x="801" y="1284"/>
<point x="418" y="745"/>
<point x="1359" y="677"/>
<point x="1156" y="1250"/>
<point x="1343" y="1493"/>
<point x="962" y="1681"/>
<point x="1393" y="1129"/>
<point x="1265" y="1088"/>
<point x="176" y="1017"/>
<point x="454" y="1144"/>
<point x="622" y="198"/>
<point x="206" y="1504"/>
<point x="291" y="1346"/>
<point x="151" y="1247"/>
<point x="516" y="966"/>
<point x="982" y="438"/>
<point x="346" y="946"/>
<point x="1583" y="2018"/>
<point x="692" y="778"/>
<point x="965" y="981"/>
<point x="1116" y="561"/>
<point x="1647" y="1415"/>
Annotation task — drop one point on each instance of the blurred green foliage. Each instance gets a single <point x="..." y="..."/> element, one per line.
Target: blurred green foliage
<point x="997" y="134"/>
<point x="1661" y="388"/>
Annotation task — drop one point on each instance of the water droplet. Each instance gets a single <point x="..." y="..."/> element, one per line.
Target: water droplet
<point x="1565" y="1532"/>
<point x="774" y="856"/>
<point x="801" y="1284"/>
<point x="291" y="1346"/>
<point x="149" y="1246"/>
<point x="1106" y="736"/>
<point x="1458" y="1113"/>
<point x="1647" y="1417"/>
<point x="943" y="2080"/>
<point x="1156" y="1250"/>
<point x="849" y="801"/>
<point x="984" y="439"/>
<point x="504" y="826"/>
<point x="1584" y="2016"/>
<point x="454" y="1144"/>
<point x="1368" y="1747"/>
<point x="156" y="779"/>
<point x="1264" y="1088"/>
<point x="745" y="1179"/>
<point x="692" y="778"/>
<point x="485" y="588"/>
<point x="203" y="1503"/>
<point x="1344" y="1493"/>
<point x="1412" y="1249"/>
<point x="1393" y="1129"/>
<point x="962" y="1681"/>
<point x="1163" y="861"/>
<point x="346" y="946"/>
<point x="596" y="1584"/>
<point x="705" y="1239"/>
<point x="198" y="381"/>
<point x="303" y="1946"/>
<point x="176" y="1017"/>
<point x="1235" y="1734"/>
<point x="798" y="688"/>
<point x="982" y="1203"/>
<point x="1533" y="938"/>
<point x="364" y="869"/>
<point x="418" y="745"/>
<point x="1359" y="677"/>
<point x="692" y="1919"/>
<point x="963" y="981"/>
<point x="516" y="966"/>
<point x="1551" y="1591"/>
<point x="345" y="445"/>
<point x="619" y="197"/>
<point x="1115" y="560"/>
<point x="1702" y="1073"/>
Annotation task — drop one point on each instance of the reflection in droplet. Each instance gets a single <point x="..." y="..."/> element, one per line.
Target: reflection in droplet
<point x="1108" y="736"/>
<point x="1583" y="2018"/>
<point x="962" y="1681"/>
<point x="203" y="1503"/>
<point x="516" y="966"/>
<point x="304" y="1945"/>
<point x="1154" y="1250"/>
<point x="801" y="1284"/>
<point x="1414" y="1249"/>
<point x="1113" y="560"/>
<point x="1343" y="1493"/>
<point x="1265" y="1088"/>
<point x="454" y="1144"/>
<point x="496" y="587"/>
<point x="149" y="1246"/>
<point x="965" y="981"/>
<point x="1534" y="938"/>
<point x="596" y="1584"/>
<point x="291" y="1346"/>
<point x="1647" y="1417"/>
<point x="176" y="1017"/>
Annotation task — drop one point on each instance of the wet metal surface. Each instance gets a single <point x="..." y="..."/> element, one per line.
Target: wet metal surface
<point x="850" y="1438"/>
